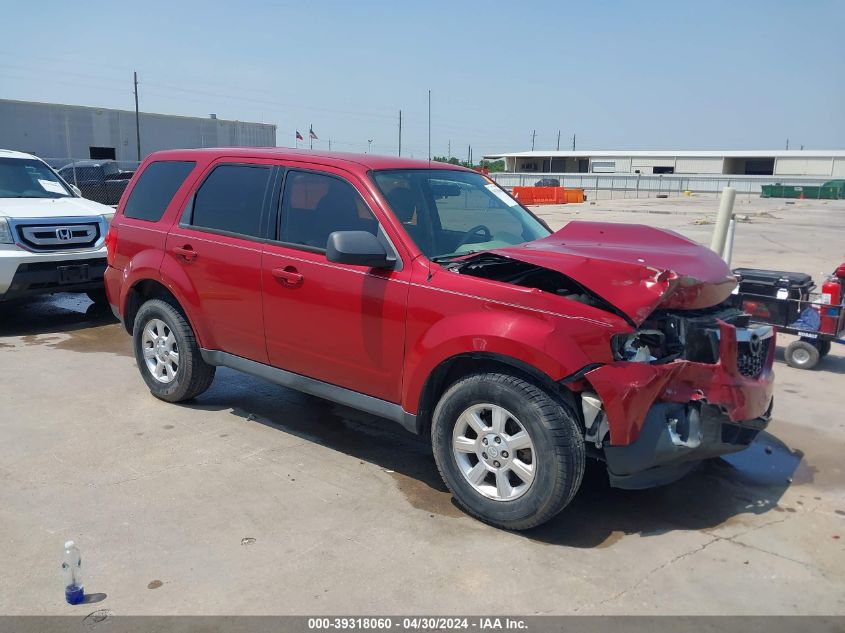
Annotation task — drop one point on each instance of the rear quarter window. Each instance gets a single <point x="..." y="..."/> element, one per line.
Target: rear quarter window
<point x="155" y="188"/>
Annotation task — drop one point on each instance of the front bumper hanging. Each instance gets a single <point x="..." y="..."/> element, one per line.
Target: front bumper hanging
<point x="663" y="419"/>
<point x="673" y="439"/>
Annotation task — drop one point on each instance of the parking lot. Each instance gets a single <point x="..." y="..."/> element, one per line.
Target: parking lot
<point x="255" y="499"/>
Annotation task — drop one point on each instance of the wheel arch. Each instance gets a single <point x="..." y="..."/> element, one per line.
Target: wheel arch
<point x="144" y="290"/>
<point x="452" y="369"/>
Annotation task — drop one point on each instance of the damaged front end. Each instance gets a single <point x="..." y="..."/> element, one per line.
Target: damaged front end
<point x="686" y="386"/>
<point x="691" y="378"/>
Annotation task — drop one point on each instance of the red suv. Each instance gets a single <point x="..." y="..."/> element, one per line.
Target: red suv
<point x="424" y="293"/>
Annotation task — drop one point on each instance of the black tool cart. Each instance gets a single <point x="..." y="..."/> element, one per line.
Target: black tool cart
<point x="786" y="300"/>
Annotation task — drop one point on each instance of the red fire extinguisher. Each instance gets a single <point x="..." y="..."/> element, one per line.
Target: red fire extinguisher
<point x="832" y="294"/>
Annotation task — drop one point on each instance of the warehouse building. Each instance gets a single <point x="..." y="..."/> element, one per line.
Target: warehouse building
<point x="51" y="131"/>
<point x="816" y="163"/>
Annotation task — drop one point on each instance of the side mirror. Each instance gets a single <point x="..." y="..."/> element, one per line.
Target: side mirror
<point x="357" y="248"/>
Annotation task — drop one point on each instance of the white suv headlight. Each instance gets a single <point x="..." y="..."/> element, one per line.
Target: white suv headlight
<point x="5" y="232"/>
<point x="108" y="217"/>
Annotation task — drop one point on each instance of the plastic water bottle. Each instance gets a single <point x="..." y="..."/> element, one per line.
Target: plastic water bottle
<point x="72" y="574"/>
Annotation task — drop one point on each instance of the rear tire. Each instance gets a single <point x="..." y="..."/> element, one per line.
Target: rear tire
<point x="801" y="355"/>
<point x="823" y="347"/>
<point x="167" y="353"/>
<point x="512" y="489"/>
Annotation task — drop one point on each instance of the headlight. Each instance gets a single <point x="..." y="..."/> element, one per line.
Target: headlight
<point x="5" y="232"/>
<point x="108" y="217"/>
<point x="636" y="347"/>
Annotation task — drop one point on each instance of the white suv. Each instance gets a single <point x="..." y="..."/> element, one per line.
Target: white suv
<point x="51" y="239"/>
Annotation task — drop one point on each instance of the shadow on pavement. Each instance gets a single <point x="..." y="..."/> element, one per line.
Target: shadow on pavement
<point x="49" y="314"/>
<point x="93" y="598"/>
<point x="718" y="491"/>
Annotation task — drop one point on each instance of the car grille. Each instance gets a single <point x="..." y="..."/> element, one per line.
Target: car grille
<point x="751" y="358"/>
<point x="55" y="237"/>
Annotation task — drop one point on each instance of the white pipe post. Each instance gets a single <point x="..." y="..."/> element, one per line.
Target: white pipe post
<point x="723" y="220"/>
<point x="729" y="242"/>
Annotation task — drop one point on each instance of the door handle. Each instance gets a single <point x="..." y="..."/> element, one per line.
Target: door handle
<point x="186" y="252"/>
<point x="288" y="275"/>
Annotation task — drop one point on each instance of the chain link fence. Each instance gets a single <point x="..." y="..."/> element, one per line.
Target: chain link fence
<point x="610" y="186"/>
<point x="100" y="180"/>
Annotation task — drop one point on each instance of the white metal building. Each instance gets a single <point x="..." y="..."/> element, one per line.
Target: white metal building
<point x="52" y="130"/>
<point x="817" y="163"/>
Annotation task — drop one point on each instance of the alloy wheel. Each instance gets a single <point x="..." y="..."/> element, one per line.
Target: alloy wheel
<point x="161" y="353"/>
<point x="494" y="452"/>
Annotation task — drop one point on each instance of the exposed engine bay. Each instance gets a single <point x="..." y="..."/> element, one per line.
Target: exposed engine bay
<point x="694" y="335"/>
<point x="513" y="271"/>
<point x="669" y="335"/>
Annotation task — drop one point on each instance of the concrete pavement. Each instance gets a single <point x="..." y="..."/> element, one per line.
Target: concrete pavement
<point x="258" y="500"/>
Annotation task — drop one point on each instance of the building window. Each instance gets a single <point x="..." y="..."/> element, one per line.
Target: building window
<point x="662" y="169"/>
<point x="604" y="166"/>
<point x="760" y="167"/>
<point x="101" y="153"/>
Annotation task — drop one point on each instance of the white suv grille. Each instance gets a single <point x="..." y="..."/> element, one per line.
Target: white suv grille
<point x="53" y="237"/>
<point x="59" y="234"/>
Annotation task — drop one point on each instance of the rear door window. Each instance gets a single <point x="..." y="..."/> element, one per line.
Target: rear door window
<point x="155" y="188"/>
<point x="231" y="199"/>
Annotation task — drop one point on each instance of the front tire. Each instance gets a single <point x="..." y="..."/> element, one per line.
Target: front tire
<point x="167" y="353"/>
<point x="512" y="455"/>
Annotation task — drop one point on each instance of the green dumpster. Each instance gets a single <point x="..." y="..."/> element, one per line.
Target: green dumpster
<point x="831" y="190"/>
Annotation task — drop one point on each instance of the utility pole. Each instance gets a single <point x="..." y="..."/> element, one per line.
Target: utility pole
<point x="558" y="140"/>
<point x="573" y="142"/>
<point x="369" y="144"/>
<point x="400" y="132"/>
<point x="469" y="155"/>
<point x="330" y="145"/>
<point x="533" y="135"/>
<point x="787" y="143"/>
<point x="449" y="150"/>
<point x="137" y="122"/>
<point x="429" y="126"/>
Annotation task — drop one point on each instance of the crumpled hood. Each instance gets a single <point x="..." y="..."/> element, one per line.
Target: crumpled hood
<point x="635" y="268"/>
<point x="28" y="208"/>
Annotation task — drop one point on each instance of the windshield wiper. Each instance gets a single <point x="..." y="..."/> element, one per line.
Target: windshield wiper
<point x="440" y="259"/>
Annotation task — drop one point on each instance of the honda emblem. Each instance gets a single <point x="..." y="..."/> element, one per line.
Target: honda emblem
<point x="64" y="234"/>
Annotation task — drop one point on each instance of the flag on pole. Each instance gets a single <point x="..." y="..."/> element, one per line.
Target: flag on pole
<point x="299" y="136"/>
<point x="312" y="135"/>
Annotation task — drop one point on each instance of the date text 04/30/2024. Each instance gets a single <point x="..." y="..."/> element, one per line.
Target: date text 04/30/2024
<point x="422" y="623"/>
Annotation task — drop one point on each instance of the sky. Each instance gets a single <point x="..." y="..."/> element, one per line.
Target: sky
<point x="619" y="75"/>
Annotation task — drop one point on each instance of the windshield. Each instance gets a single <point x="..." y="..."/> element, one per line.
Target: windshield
<point x="449" y="213"/>
<point x="29" y="178"/>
